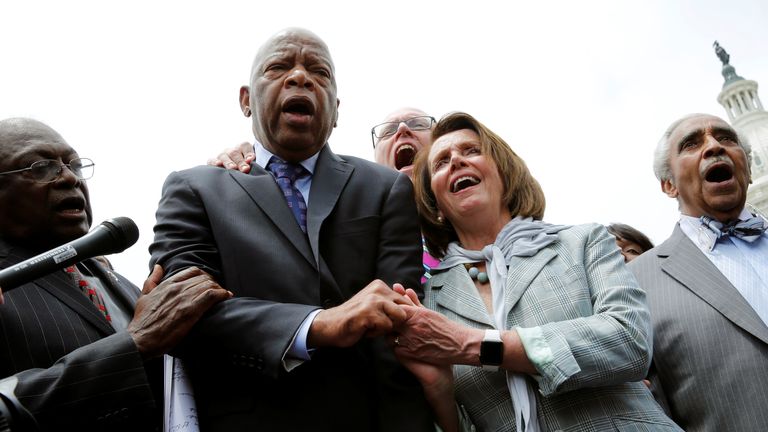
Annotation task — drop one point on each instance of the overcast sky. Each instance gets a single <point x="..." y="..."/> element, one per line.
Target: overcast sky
<point x="581" y="90"/>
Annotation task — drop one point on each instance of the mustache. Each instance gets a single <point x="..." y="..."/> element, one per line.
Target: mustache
<point x="713" y="160"/>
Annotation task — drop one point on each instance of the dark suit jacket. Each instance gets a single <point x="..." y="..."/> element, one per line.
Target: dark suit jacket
<point x="361" y="225"/>
<point x="710" y="348"/>
<point x="74" y="371"/>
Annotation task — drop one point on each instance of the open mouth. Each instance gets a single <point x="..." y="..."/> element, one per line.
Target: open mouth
<point x="299" y="106"/>
<point x="70" y="205"/>
<point x="463" y="182"/>
<point x="719" y="173"/>
<point x="404" y="156"/>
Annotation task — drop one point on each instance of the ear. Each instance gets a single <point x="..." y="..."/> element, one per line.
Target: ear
<point x="338" y="102"/>
<point x="245" y="100"/>
<point x="669" y="188"/>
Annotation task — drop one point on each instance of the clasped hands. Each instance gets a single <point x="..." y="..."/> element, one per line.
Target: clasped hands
<point x="428" y="342"/>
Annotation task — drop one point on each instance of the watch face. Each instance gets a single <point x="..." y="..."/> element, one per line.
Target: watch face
<point x="491" y="352"/>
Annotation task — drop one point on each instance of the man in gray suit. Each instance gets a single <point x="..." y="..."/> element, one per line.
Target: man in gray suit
<point x="707" y="284"/>
<point x="79" y="350"/>
<point x="310" y="259"/>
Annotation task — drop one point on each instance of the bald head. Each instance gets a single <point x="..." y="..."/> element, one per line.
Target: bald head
<point x="19" y="131"/>
<point x="407" y="132"/>
<point x="39" y="211"/>
<point x="292" y="95"/>
<point x="287" y="35"/>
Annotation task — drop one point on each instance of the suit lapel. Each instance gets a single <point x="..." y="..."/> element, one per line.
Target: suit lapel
<point x="688" y="265"/>
<point x="262" y="189"/>
<point x="330" y="176"/>
<point x="521" y="272"/>
<point x="61" y="286"/>
<point x="455" y="291"/>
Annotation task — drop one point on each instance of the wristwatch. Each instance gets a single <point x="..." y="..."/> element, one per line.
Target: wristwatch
<point x="491" y="351"/>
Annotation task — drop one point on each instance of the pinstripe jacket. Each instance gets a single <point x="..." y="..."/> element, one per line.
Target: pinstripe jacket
<point x="74" y="372"/>
<point x="583" y="306"/>
<point x="710" y="360"/>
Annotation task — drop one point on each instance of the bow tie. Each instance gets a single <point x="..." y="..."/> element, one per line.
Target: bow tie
<point x="748" y="230"/>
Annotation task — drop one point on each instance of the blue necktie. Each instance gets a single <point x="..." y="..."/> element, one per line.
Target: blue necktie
<point x="285" y="174"/>
<point x="748" y="230"/>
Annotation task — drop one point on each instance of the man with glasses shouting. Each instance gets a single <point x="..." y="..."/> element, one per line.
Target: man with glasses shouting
<point x="401" y="136"/>
<point x="78" y="344"/>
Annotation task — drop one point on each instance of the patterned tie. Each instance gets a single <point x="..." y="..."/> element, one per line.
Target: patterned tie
<point x="748" y="230"/>
<point x="88" y="290"/>
<point x="285" y="174"/>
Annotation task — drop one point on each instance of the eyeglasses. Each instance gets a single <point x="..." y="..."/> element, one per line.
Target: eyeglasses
<point x="49" y="170"/>
<point x="389" y="128"/>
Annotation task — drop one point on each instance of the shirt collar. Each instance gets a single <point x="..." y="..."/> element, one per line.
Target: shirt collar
<point x="263" y="156"/>
<point x="700" y="235"/>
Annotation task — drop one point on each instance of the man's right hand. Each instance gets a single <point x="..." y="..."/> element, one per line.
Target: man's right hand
<point x="238" y="158"/>
<point x="167" y="311"/>
<point x="373" y="311"/>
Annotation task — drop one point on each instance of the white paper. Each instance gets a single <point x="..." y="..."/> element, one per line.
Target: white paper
<point x="179" y="411"/>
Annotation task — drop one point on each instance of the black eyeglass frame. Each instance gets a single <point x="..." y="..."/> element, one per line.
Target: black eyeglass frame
<point x="373" y="129"/>
<point x="85" y="163"/>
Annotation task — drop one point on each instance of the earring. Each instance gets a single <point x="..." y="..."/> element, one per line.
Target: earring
<point x="247" y="112"/>
<point x="440" y="219"/>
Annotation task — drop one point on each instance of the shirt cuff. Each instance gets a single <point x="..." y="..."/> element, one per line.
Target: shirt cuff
<point x="297" y="353"/>
<point x="551" y="357"/>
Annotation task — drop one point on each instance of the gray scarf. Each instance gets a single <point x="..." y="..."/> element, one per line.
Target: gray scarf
<point x="521" y="237"/>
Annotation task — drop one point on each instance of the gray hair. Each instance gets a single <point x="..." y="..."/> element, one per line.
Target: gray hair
<point x="661" y="155"/>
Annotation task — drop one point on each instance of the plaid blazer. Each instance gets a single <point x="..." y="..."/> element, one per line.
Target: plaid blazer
<point x="587" y="309"/>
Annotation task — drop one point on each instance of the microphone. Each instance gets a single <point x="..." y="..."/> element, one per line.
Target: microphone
<point x="111" y="236"/>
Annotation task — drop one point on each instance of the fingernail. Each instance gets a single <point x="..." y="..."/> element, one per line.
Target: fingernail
<point x="231" y="165"/>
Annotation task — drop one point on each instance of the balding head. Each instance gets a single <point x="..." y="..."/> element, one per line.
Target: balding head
<point x="703" y="163"/>
<point x="35" y="212"/>
<point x="292" y="95"/>
<point x="401" y="143"/>
<point x="20" y="131"/>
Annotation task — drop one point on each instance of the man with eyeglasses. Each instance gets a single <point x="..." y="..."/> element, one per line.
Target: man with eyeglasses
<point x="80" y="343"/>
<point x="400" y="137"/>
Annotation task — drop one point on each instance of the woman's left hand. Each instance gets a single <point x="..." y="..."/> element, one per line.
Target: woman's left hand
<point x="428" y="336"/>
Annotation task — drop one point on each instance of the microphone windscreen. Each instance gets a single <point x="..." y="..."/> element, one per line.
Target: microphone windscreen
<point x="123" y="230"/>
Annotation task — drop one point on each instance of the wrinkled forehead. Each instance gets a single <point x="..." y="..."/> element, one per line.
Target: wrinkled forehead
<point x="32" y="139"/>
<point x="461" y="138"/>
<point x="698" y="125"/>
<point x="292" y="42"/>
<point x="404" y="114"/>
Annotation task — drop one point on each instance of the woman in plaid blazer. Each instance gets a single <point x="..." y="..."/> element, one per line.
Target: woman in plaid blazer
<point x="527" y="326"/>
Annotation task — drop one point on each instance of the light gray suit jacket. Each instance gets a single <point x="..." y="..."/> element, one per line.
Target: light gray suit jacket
<point x="591" y="316"/>
<point x="710" y="360"/>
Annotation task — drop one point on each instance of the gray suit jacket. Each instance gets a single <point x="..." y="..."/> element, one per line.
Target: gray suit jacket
<point x="361" y="225"/>
<point x="591" y="318"/>
<point x="710" y="359"/>
<point x="74" y="371"/>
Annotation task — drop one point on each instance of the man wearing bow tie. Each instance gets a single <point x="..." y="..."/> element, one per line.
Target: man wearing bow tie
<point x="708" y="283"/>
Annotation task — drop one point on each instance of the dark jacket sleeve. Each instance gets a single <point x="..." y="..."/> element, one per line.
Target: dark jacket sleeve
<point x="100" y="386"/>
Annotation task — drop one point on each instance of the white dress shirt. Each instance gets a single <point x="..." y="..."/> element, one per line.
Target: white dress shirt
<point x="744" y="264"/>
<point x="297" y="352"/>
